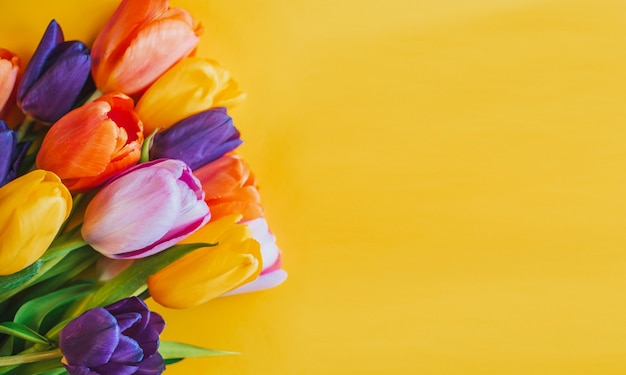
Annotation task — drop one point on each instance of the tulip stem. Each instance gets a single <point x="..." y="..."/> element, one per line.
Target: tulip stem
<point x="30" y="357"/>
<point x="147" y="144"/>
<point x="24" y="128"/>
<point x="96" y="94"/>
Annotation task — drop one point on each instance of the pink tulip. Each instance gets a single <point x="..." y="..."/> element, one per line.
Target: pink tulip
<point x="272" y="274"/>
<point x="145" y="210"/>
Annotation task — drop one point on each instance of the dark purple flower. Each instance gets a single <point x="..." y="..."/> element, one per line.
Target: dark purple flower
<point x="119" y="339"/>
<point x="198" y="139"/>
<point x="54" y="79"/>
<point x="11" y="153"/>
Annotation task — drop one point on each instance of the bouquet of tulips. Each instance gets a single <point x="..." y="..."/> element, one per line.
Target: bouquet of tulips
<point x="119" y="182"/>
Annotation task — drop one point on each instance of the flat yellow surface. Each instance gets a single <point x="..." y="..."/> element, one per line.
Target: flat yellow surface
<point x="447" y="180"/>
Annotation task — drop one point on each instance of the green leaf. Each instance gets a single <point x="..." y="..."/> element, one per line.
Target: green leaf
<point x="32" y="313"/>
<point x="132" y="280"/>
<point x="172" y="361"/>
<point x="10" y="282"/>
<point x="178" y="350"/>
<point x="23" y="332"/>
<point x="47" y="367"/>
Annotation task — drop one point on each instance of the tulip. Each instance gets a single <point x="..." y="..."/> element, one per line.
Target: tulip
<point x="54" y="79"/>
<point x="209" y="272"/>
<point x="198" y="139"/>
<point x="189" y="87"/>
<point x="144" y="210"/>
<point x="93" y="142"/>
<point x="9" y="68"/>
<point x="230" y="188"/>
<point x="141" y="41"/>
<point x="11" y="153"/>
<point x="121" y="338"/>
<point x="34" y="207"/>
<point x="272" y="274"/>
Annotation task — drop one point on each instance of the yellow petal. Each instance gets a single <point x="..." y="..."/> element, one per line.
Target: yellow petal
<point x="34" y="207"/>
<point x="209" y="272"/>
<point x="189" y="87"/>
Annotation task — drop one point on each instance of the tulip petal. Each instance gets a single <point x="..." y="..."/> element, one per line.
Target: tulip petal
<point x="95" y="331"/>
<point x="53" y="94"/>
<point x="152" y="365"/>
<point x="126" y="320"/>
<point x="127" y="350"/>
<point x="110" y="230"/>
<point x="265" y="281"/>
<point x="79" y="370"/>
<point x="37" y="64"/>
<point x="261" y="233"/>
<point x="113" y="368"/>
<point x="138" y="74"/>
<point x="209" y="272"/>
<point x="189" y="87"/>
<point x="198" y="139"/>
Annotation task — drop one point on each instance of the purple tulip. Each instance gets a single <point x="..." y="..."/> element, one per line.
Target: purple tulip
<point x="11" y="153"/>
<point x="55" y="77"/>
<point x="198" y="139"/>
<point x="145" y="209"/>
<point x="119" y="339"/>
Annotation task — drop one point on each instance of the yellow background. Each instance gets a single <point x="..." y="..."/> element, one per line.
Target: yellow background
<point x="446" y="180"/>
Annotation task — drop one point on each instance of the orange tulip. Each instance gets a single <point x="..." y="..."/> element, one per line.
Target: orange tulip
<point x="93" y="142"/>
<point x="230" y="188"/>
<point x="141" y="41"/>
<point x="9" y="67"/>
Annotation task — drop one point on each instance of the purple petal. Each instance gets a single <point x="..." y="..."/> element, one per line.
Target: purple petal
<point x="113" y="368"/>
<point x="90" y="339"/>
<point x="152" y="365"/>
<point x="127" y="351"/>
<point x="8" y="142"/>
<point x="80" y="370"/>
<point x="37" y="64"/>
<point x="157" y="322"/>
<point x="131" y="305"/>
<point x="54" y="93"/>
<point x="148" y="339"/>
<point x="198" y="139"/>
<point x="126" y="320"/>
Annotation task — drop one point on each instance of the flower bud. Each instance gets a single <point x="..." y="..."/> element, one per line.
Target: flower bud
<point x="93" y="142"/>
<point x="230" y="188"/>
<point x="122" y="338"/>
<point x="198" y="139"/>
<point x="34" y="207"/>
<point x="54" y="78"/>
<point x="189" y="87"/>
<point x="140" y="42"/>
<point x="144" y="210"/>
<point x="209" y="272"/>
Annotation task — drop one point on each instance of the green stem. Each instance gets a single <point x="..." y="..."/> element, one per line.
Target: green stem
<point x="24" y="128"/>
<point x="96" y="94"/>
<point x="145" y="148"/>
<point x="30" y="357"/>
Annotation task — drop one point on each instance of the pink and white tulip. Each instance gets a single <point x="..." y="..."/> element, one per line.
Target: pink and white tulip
<point x="145" y="210"/>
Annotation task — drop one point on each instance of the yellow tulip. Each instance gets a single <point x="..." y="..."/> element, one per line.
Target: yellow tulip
<point x="33" y="208"/>
<point x="208" y="273"/>
<point x="191" y="86"/>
